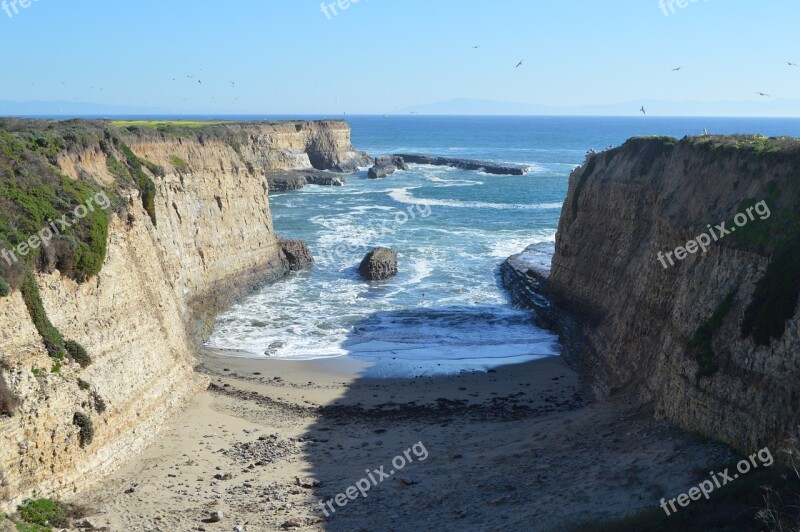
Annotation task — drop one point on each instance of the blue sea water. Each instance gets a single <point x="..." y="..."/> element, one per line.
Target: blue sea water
<point x="445" y="312"/>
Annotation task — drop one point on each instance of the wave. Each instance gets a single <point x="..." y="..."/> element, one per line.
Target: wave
<point x="402" y="195"/>
<point x="453" y="182"/>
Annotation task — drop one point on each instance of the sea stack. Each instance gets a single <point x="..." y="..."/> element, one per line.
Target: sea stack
<point x="379" y="264"/>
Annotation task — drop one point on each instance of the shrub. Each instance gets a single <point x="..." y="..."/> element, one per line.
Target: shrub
<point x="5" y="290"/>
<point x="44" y="512"/>
<point x="178" y="163"/>
<point x="53" y="340"/>
<point x="148" y="189"/>
<point x="99" y="403"/>
<point x="143" y="181"/>
<point x="49" y="513"/>
<point x="155" y="169"/>
<point x="86" y="427"/>
<point x="702" y="339"/>
<point x="774" y="300"/>
<point x="77" y="353"/>
<point x="117" y="169"/>
<point x="8" y="402"/>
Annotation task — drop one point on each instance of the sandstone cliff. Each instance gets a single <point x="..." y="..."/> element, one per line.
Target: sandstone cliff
<point x="713" y="341"/>
<point x="170" y="265"/>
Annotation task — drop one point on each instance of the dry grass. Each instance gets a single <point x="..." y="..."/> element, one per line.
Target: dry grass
<point x="781" y="512"/>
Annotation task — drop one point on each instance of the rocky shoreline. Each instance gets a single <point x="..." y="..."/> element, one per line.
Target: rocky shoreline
<point x="465" y="164"/>
<point x="289" y="180"/>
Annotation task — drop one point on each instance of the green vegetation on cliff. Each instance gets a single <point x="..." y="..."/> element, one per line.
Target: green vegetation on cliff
<point x="178" y="163"/>
<point x="757" y="157"/>
<point x="85" y="426"/>
<point x="37" y="515"/>
<point x="53" y="340"/>
<point x="49" y="221"/>
<point x="702" y="339"/>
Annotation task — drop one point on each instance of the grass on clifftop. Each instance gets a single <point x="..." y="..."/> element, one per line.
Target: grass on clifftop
<point x="178" y="129"/>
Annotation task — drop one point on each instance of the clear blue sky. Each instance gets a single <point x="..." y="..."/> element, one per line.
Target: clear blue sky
<point x="287" y="57"/>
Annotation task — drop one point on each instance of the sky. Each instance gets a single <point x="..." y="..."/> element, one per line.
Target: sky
<point x="382" y="56"/>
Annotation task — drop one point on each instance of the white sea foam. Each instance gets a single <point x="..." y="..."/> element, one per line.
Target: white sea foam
<point x="443" y="313"/>
<point x="402" y="195"/>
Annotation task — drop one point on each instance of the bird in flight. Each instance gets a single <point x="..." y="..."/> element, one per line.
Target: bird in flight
<point x="475" y="47"/>
<point x="643" y="111"/>
<point x="677" y="69"/>
<point x="190" y="76"/>
<point x="790" y="63"/>
<point x="519" y="64"/>
<point x="764" y="94"/>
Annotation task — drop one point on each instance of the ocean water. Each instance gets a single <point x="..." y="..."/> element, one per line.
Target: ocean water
<point x="446" y="311"/>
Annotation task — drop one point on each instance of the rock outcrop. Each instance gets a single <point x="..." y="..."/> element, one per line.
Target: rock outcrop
<point x="466" y="164"/>
<point x="379" y="264"/>
<point x="288" y="180"/>
<point x="386" y="166"/>
<point x="710" y="340"/>
<point x="297" y="254"/>
<point x="159" y="290"/>
<point x="354" y="164"/>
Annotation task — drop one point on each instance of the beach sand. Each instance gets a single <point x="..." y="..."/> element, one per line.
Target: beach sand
<point x="519" y="448"/>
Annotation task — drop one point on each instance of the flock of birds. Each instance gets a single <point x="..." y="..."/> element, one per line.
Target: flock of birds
<point x="520" y="64"/>
<point x="762" y="94"/>
<point x="676" y="69"/>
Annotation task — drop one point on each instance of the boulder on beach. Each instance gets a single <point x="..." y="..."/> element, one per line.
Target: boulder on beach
<point x="296" y="254"/>
<point x="386" y="165"/>
<point x="379" y="264"/>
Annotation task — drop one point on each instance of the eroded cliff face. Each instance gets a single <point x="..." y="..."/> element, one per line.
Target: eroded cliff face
<point x="154" y="299"/>
<point x="677" y="337"/>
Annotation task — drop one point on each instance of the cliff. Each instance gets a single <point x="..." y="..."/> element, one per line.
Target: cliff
<point x="187" y="228"/>
<point x="658" y="303"/>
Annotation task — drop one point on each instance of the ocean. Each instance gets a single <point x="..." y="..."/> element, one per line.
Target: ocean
<point x="446" y="311"/>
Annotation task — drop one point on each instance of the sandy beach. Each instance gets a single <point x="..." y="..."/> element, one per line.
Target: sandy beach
<point x="516" y="448"/>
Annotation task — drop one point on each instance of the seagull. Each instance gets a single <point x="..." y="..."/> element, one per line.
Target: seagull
<point x="790" y="63"/>
<point x="643" y="111"/>
<point x="677" y="69"/>
<point x="190" y="76"/>
<point x="519" y="64"/>
<point x="475" y="47"/>
<point x="200" y="82"/>
<point x="764" y="94"/>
